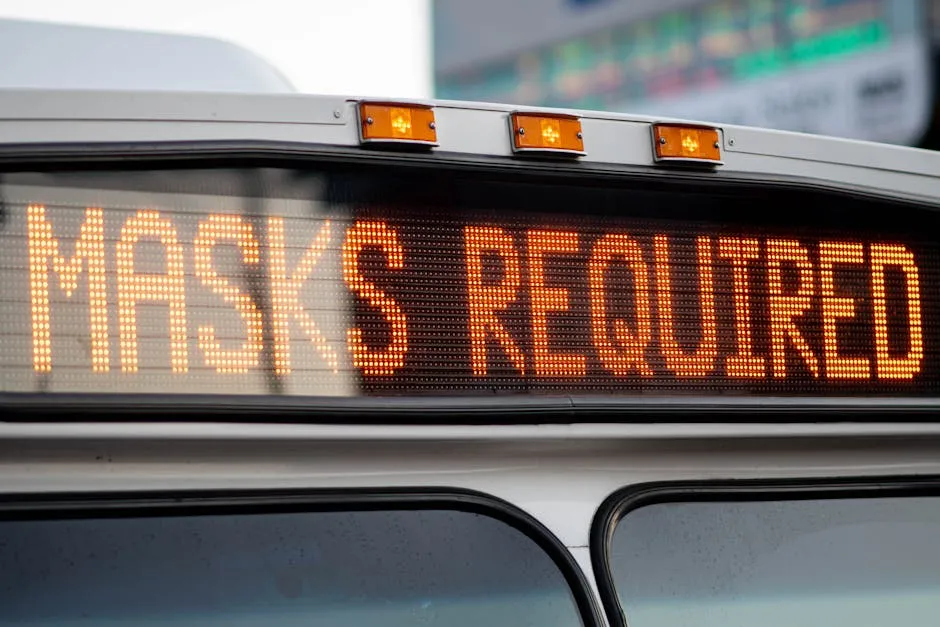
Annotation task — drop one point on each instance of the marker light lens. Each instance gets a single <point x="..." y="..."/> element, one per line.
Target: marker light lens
<point x="674" y="142"/>
<point x="385" y="122"/>
<point x="547" y="133"/>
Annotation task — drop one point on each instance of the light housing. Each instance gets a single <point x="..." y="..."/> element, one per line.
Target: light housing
<point x="546" y="133"/>
<point x="397" y="123"/>
<point x="686" y="143"/>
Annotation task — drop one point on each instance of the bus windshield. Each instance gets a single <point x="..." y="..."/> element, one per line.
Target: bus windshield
<point x="391" y="568"/>
<point x="809" y="562"/>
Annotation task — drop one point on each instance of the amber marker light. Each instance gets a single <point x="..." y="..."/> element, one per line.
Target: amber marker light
<point x="397" y="123"/>
<point x="546" y="133"/>
<point x="686" y="143"/>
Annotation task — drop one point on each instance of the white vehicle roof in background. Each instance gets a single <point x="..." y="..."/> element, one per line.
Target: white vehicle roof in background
<point x="41" y="55"/>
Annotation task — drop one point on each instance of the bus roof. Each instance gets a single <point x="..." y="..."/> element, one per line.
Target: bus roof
<point x="80" y="121"/>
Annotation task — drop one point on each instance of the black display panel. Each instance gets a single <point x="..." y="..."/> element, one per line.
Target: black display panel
<point x="349" y="283"/>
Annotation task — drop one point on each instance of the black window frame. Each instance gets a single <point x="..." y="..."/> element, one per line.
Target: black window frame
<point x="155" y="503"/>
<point x="630" y="498"/>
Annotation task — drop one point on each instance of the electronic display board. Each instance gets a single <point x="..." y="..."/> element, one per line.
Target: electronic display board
<point x="850" y="68"/>
<point x="387" y="284"/>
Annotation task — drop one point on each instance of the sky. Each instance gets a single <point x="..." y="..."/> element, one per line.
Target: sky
<point x="349" y="47"/>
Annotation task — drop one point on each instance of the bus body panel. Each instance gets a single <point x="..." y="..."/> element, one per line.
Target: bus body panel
<point x="466" y="132"/>
<point x="560" y="474"/>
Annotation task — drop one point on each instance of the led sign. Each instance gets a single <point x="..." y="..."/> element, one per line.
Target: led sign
<point x="361" y="300"/>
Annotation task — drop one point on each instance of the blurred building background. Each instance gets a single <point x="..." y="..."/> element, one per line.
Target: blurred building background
<point x="864" y="69"/>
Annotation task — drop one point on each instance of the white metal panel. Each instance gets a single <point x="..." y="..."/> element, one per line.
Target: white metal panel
<point x="849" y="176"/>
<point x="125" y="132"/>
<point x="154" y="106"/>
<point x="799" y="146"/>
<point x="471" y="129"/>
<point x="560" y="478"/>
<point x="565" y="433"/>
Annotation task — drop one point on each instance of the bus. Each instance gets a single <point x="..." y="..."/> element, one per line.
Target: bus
<point x="280" y="359"/>
<point x="861" y="69"/>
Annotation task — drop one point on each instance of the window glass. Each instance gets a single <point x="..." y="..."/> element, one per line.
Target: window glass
<point x="365" y="568"/>
<point x="810" y="563"/>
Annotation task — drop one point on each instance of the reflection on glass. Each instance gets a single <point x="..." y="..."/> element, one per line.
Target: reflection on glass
<point x="858" y="562"/>
<point x="382" y="569"/>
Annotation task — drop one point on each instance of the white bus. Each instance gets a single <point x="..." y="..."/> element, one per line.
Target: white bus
<point x="295" y="360"/>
